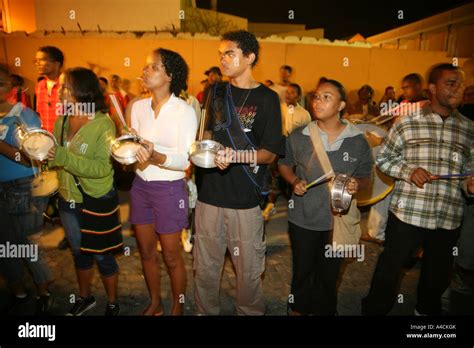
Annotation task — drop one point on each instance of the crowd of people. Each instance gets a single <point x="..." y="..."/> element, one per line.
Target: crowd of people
<point x="428" y="152"/>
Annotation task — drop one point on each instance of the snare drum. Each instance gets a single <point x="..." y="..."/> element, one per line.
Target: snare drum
<point x="340" y="197"/>
<point x="382" y="184"/>
<point x="35" y="142"/>
<point x="124" y="149"/>
<point x="45" y="184"/>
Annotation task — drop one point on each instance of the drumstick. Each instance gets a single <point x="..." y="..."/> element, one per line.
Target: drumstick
<point x="454" y="176"/>
<point x="119" y="111"/>
<point x="119" y="114"/>
<point x="320" y="179"/>
<point x="201" y="125"/>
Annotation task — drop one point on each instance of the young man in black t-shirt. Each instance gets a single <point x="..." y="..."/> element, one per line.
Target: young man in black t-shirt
<point x="228" y="215"/>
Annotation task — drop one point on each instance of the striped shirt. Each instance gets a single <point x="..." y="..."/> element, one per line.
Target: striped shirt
<point x="441" y="147"/>
<point x="47" y="103"/>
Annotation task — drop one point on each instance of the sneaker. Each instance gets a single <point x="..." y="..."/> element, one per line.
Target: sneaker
<point x="112" y="309"/>
<point x="21" y="297"/>
<point x="186" y="240"/>
<point x="82" y="305"/>
<point x="43" y="304"/>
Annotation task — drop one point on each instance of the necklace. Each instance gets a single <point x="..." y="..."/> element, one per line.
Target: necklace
<point x="243" y="104"/>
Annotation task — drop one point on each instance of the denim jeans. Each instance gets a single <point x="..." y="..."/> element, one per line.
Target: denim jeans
<point x="21" y="224"/>
<point x="70" y="217"/>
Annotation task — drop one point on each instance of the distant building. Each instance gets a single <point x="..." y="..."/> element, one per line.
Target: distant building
<point x="284" y="29"/>
<point x="451" y="31"/>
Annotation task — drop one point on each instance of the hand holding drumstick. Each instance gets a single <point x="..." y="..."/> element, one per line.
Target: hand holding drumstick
<point x="145" y="152"/>
<point x="52" y="153"/>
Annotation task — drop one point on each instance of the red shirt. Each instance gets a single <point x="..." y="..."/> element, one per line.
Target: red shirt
<point x="123" y="99"/>
<point x="46" y="104"/>
<point x="12" y="97"/>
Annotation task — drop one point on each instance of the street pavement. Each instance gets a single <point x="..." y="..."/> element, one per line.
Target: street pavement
<point x="133" y="296"/>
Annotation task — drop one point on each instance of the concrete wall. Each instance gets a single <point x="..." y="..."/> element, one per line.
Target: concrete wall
<point x="118" y="15"/>
<point x="109" y="54"/>
<point x="268" y="29"/>
<point x="316" y="33"/>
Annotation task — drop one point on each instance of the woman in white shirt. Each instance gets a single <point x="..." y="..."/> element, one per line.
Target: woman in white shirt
<point x="159" y="201"/>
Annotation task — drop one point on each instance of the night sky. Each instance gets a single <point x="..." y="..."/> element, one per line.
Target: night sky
<point x="339" y="19"/>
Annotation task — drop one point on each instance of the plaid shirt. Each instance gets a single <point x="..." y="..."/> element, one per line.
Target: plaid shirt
<point x="424" y="140"/>
<point x="46" y="104"/>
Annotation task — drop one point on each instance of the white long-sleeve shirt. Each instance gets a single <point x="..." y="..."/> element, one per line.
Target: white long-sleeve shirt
<point x="172" y="132"/>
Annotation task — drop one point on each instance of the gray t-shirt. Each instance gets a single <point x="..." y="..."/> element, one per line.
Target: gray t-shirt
<point x="354" y="158"/>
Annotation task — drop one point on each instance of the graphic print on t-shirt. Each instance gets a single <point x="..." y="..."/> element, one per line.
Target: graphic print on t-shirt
<point x="247" y="116"/>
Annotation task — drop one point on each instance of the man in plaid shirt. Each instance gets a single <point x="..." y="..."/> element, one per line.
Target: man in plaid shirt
<point x="49" y="61"/>
<point x="425" y="210"/>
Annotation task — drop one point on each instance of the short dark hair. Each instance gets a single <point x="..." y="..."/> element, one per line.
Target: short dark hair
<point x="322" y="79"/>
<point x="104" y="80"/>
<point x="287" y="68"/>
<point x="215" y="70"/>
<point x="246" y="41"/>
<point x="176" y="67"/>
<point x="435" y="72"/>
<point x="297" y="87"/>
<point x="367" y="87"/>
<point x="413" y="77"/>
<point x="340" y="89"/>
<point x="85" y="87"/>
<point x="54" y="53"/>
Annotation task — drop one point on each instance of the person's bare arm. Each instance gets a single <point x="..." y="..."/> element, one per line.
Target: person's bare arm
<point x="298" y="185"/>
<point x="225" y="157"/>
<point x="14" y="154"/>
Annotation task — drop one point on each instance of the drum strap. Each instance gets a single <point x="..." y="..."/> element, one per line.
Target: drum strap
<point x="226" y="119"/>
<point x="346" y="228"/>
<point x="319" y="149"/>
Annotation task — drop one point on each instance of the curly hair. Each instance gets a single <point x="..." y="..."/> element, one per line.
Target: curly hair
<point x="176" y="68"/>
<point x="246" y="41"/>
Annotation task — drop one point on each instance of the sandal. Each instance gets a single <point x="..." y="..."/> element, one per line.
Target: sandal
<point x="159" y="312"/>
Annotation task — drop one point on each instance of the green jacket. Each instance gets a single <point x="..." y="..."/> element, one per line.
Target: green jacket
<point x="87" y="157"/>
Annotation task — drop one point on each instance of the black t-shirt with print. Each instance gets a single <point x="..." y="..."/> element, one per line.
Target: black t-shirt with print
<point x="260" y="117"/>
